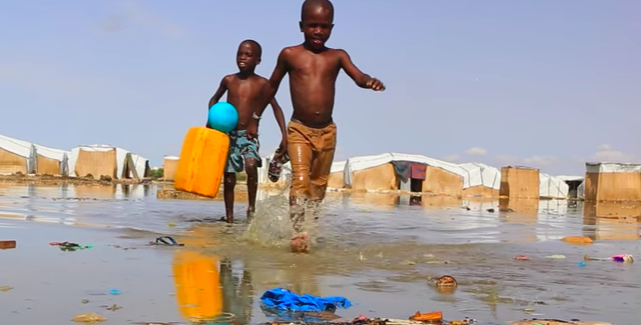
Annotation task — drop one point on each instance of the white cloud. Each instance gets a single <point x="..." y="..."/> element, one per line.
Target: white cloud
<point x="134" y="13"/>
<point x="605" y="153"/>
<point x="452" y="158"/>
<point x="476" y="151"/>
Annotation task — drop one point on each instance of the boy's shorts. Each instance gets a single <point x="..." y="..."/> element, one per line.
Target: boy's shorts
<point x="241" y="148"/>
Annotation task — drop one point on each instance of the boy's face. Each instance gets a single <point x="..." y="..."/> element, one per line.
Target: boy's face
<point x="246" y="58"/>
<point x="317" y="27"/>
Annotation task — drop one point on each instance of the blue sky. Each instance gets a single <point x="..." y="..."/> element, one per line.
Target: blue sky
<point x="550" y="84"/>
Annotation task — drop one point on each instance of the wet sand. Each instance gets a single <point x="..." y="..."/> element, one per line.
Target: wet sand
<point x="379" y="255"/>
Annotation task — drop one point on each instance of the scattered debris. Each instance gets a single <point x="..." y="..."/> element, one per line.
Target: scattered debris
<point x="556" y="257"/>
<point x="446" y="281"/>
<point x="113" y="307"/>
<point x="69" y="246"/>
<point x="430" y="318"/>
<point x="165" y="241"/>
<point x="535" y="321"/>
<point x="521" y="258"/>
<point x="7" y="244"/>
<point x="623" y="258"/>
<point x="89" y="318"/>
<point x="578" y="240"/>
<point x="5" y="288"/>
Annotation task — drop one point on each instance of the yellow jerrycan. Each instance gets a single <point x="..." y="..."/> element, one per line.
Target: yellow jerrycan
<point x="202" y="161"/>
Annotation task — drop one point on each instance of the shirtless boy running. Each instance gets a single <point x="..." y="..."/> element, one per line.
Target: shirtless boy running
<point x="244" y="92"/>
<point x="311" y="134"/>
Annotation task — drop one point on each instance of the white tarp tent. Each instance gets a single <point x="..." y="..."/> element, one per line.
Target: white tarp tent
<point x="141" y="164"/>
<point x="75" y="152"/>
<point x="121" y="159"/>
<point x="17" y="152"/>
<point x="479" y="174"/>
<point x="552" y="187"/>
<point x="364" y="162"/>
<point x="580" y="191"/>
<point x="473" y="174"/>
<point x="62" y="156"/>
<point x="338" y="167"/>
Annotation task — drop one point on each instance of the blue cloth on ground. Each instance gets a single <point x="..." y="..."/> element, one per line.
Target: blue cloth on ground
<point x="280" y="298"/>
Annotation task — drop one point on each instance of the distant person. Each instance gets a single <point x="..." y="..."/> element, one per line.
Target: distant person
<point x="311" y="134"/>
<point x="244" y="92"/>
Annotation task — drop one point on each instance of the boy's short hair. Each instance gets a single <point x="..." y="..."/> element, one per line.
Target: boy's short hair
<point x="309" y="3"/>
<point x="256" y="45"/>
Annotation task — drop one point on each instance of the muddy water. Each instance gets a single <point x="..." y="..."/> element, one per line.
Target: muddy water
<point x="380" y="251"/>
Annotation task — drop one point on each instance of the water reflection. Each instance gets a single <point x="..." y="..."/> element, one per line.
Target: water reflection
<point x="480" y="204"/>
<point x="521" y="212"/>
<point x="238" y="290"/>
<point x="383" y="201"/>
<point x="515" y="210"/>
<point x="439" y="202"/>
<point x="102" y="192"/>
<point x="612" y="221"/>
<point x="207" y="287"/>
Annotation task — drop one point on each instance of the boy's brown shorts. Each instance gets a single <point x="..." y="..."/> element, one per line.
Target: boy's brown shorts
<point x="311" y="151"/>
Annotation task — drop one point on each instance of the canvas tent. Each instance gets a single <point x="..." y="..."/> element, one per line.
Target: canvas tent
<point x="105" y="160"/>
<point x="481" y="180"/>
<point x="50" y="161"/>
<point x="336" y="174"/>
<point x="612" y="182"/>
<point x="520" y="182"/>
<point x="580" y="191"/>
<point x="394" y="171"/>
<point x="551" y="187"/>
<point x="422" y="174"/>
<point x="169" y="167"/>
<point x="139" y="164"/>
<point x="574" y="185"/>
<point x="16" y="156"/>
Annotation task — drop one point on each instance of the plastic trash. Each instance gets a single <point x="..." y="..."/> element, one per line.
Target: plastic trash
<point x="7" y="244"/>
<point x="621" y="258"/>
<point x="114" y="292"/>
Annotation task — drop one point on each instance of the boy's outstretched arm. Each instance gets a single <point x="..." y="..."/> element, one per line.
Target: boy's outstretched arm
<point x="361" y="79"/>
<point x="222" y="88"/>
<point x="269" y="91"/>
<point x="280" y="119"/>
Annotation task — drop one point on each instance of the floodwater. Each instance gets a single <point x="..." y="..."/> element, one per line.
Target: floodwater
<point x="381" y="251"/>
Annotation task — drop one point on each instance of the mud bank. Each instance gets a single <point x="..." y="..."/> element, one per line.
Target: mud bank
<point x="19" y="179"/>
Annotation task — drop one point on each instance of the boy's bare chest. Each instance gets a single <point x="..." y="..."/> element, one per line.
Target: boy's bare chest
<point x="244" y="89"/>
<point x="315" y="65"/>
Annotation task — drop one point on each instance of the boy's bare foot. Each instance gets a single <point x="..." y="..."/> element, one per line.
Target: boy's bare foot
<point x="230" y="219"/>
<point x="300" y="243"/>
<point x="250" y="215"/>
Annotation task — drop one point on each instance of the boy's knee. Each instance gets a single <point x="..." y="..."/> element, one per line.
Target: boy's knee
<point x="230" y="179"/>
<point x="251" y="167"/>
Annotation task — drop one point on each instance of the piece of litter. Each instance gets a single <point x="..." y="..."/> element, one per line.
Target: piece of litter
<point x="556" y="257"/>
<point x="89" y="318"/>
